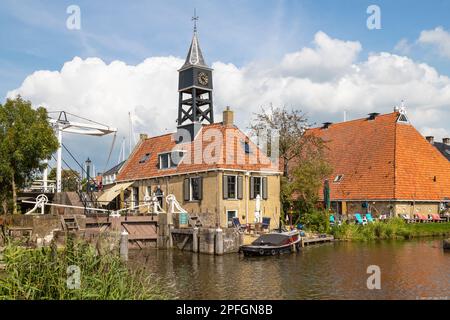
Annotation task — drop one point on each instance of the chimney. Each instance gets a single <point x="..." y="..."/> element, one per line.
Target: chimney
<point x="446" y="141"/>
<point x="228" y="117"/>
<point x="430" y="139"/>
<point x="143" y="136"/>
<point x="326" y="125"/>
<point x="373" y="115"/>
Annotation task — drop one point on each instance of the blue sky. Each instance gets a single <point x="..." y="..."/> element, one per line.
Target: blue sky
<point x="242" y="33"/>
<point x="34" y="35"/>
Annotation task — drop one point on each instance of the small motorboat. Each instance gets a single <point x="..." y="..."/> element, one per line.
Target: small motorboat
<point x="272" y="244"/>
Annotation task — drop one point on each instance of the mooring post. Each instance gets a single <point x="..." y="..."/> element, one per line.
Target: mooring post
<point x="219" y="241"/>
<point x="124" y="245"/>
<point x="170" y="228"/>
<point x="195" y="240"/>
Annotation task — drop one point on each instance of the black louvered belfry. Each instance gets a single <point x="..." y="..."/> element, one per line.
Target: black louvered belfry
<point x="195" y="87"/>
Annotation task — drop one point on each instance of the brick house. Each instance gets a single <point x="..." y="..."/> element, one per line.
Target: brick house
<point x="213" y="169"/>
<point x="383" y="164"/>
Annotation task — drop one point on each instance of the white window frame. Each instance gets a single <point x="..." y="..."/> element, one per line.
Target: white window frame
<point x="169" y="160"/>
<point x="236" y="215"/>
<point x="338" y="178"/>
<point x="260" y="186"/>
<point x="190" y="189"/>
<point x="235" y="187"/>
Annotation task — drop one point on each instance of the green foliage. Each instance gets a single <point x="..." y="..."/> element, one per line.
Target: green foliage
<point x="70" y="179"/>
<point x="316" y="221"/>
<point x="305" y="184"/>
<point x="41" y="274"/>
<point x="394" y="228"/>
<point x="26" y="138"/>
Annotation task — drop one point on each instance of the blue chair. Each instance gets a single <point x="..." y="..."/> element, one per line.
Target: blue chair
<point x="237" y="224"/>
<point x="265" y="223"/>
<point x="369" y="217"/>
<point x="332" y="220"/>
<point x="359" y="220"/>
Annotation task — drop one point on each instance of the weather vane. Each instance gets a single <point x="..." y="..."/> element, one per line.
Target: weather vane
<point x="195" y="19"/>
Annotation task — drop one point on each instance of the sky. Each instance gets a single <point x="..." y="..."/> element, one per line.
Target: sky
<point x="318" y="56"/>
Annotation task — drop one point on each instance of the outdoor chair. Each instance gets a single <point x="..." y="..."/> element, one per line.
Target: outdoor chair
<point x="332" y="220"/>
<point x="436" y="218"/>
<point x="359" y="220"/>
<point x="407" y="218"/>
<point x="265" y="223"/>
<point x="237" y="224"/>
<point x="422" y="217"/>
<point x="369" y="217"/>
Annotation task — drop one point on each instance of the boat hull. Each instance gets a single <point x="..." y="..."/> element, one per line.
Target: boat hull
<point x="291" y="241"/>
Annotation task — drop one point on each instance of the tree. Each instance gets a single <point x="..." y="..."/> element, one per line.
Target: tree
<point x="302" y="155"/>
<point x="70" y="179"/>
<point x="302" y="190"/>
<point x="290" y="126"/>
<point x="26" y="138"/>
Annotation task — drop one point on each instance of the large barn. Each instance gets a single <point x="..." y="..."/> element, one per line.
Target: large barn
<point x="384" y="165"/>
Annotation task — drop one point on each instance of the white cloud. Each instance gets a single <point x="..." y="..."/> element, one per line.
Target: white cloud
<point x="329" y="58"/>
<point x="438" y="38"/>
<point x="403" y="47"/>
<point x="322" y="81"/>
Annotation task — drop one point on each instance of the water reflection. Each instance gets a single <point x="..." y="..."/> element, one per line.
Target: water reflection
<point x="409" y="270"/>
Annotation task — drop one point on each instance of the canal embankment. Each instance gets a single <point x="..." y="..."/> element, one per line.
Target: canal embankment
<point x="390" y="230"/>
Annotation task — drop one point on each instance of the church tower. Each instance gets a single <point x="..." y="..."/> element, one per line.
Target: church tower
<point x="195" y="104"/>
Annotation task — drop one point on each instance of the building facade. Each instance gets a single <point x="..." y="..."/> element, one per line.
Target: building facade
<point x="383" y="165"/>
<point x="214" y="170"/>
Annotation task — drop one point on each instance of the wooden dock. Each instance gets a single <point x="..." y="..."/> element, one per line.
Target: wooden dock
<point x="316" y="240"/>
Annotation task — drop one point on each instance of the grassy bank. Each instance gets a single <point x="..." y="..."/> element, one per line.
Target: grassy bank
<point x="43" y="274"/>
<point x="392" y="229"/>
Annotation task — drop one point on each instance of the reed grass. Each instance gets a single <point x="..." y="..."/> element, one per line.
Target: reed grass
<point x="41" y="274"/>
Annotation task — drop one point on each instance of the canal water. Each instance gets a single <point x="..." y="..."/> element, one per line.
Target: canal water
<point x="417" y="269"/>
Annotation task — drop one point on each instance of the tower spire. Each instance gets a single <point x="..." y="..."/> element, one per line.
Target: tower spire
<point x="194" y="56"/>
<point x="195" y="104"/>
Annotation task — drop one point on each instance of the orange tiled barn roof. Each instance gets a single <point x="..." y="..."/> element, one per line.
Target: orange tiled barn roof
<point x="134" y="170"/>
<point x="383" y="159"/>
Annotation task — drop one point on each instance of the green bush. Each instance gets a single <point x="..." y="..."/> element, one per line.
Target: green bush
<point x="316" y="221"/>
<point x="42" y="274"/>
<point x="394" y="228"/>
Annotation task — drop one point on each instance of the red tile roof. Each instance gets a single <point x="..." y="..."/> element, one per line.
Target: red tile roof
<point x="202" y="145"/>
<point x="383" y="159"/>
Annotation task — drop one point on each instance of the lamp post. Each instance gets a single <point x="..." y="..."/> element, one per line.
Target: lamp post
<point x="88" y="173"/>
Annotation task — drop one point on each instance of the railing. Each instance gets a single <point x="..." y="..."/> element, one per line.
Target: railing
<point x="40" y="186"/>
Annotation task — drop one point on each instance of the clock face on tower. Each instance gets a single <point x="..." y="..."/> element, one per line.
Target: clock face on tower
<point x="202" y="79"/>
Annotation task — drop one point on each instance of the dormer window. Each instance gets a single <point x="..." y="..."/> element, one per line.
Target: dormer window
<point x="338" y="178"/>
<point x="246" y="147"/>
<point x="170" y="159"/>
<point x="164" y="161"/>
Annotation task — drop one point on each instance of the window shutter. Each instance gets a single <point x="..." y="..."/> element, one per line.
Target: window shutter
<point x="225" y="186"/>
<point x="200" y="188"/>
<point x="239" y="187"/>
<point x="186" y="189"/>
<point x="264" y="188"/>
<point x="252" y="188"/>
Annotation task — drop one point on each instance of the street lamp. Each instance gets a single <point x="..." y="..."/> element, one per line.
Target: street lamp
<point x="88" y="173"/>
